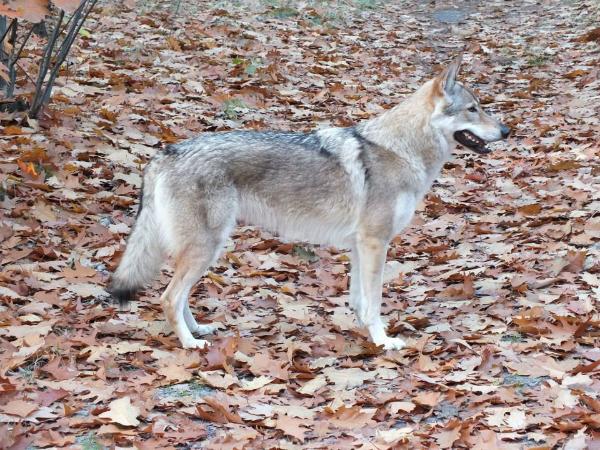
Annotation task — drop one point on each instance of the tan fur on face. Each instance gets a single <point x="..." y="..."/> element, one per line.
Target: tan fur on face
<point x="436" y="93"/>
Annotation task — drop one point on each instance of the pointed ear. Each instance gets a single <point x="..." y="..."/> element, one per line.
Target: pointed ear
<point x="448" y="76"/>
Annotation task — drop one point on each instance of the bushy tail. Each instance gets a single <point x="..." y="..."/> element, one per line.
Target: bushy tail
<point x="143" y="255"/>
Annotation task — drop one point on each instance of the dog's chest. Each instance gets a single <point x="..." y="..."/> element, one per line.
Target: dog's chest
<point x="404" y="209"/>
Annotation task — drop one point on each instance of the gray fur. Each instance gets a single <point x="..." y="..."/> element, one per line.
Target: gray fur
<point x="351" y="187"/>
<point x="144" y="244"/>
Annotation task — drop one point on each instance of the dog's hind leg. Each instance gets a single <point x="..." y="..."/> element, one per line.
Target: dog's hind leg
<point x="190" y="266"/>
<point x="200" y="230"/>
<point x="194" y="326"/>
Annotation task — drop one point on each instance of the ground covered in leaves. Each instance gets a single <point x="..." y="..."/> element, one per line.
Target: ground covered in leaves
<point x="495" y="284"/>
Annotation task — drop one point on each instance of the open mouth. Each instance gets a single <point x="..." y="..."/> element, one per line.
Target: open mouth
<point x="469" y="140"/>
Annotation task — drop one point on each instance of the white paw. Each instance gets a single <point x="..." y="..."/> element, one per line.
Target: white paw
<point x="392" y="343"/>
<point x="206" y="328"/>
<point x="195" y="343"/>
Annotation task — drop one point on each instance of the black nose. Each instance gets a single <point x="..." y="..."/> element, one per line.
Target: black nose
<point x="504" y="130"/>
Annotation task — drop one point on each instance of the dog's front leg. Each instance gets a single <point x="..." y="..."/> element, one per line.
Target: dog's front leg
<point x="356" y="291"/>
<point x="371" y="252"/>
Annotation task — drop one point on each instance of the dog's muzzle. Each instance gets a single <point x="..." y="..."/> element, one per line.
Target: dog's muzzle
<point x="471" y="141"/>
<point x="474" y="142"/>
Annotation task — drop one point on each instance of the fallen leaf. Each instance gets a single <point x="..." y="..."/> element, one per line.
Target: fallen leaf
<point x="430" y="399"/>
<point x="19" y="408"/>
<point x="451" y="433"/>
<point x="292" y="427"/>
<point x="121" y="411"/>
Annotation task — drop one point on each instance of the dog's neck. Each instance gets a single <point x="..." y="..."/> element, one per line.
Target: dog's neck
<point x="408" y="129"/>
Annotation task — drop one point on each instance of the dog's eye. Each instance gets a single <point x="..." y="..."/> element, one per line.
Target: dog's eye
<point x="472" y="109"/>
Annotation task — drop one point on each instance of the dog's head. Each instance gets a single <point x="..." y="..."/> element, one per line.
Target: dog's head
<point x="460" y="117"/>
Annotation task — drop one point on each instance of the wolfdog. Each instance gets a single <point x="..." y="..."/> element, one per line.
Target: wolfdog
<point x="350" y="187"/>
